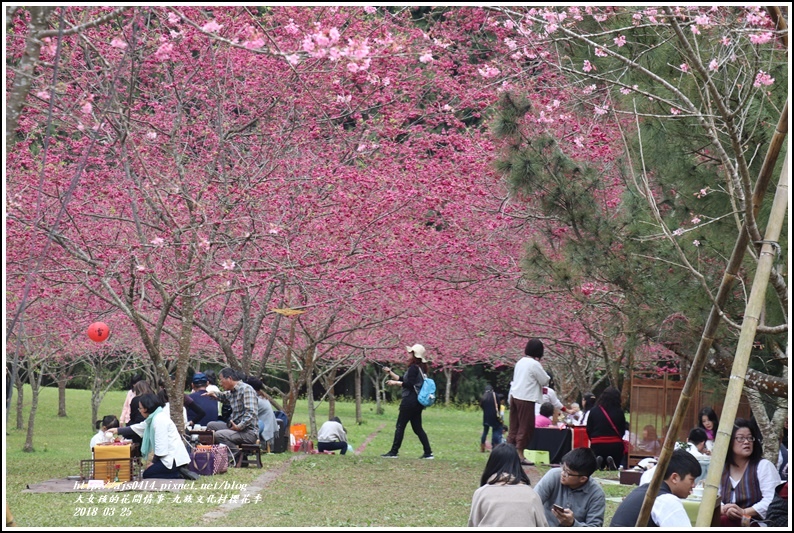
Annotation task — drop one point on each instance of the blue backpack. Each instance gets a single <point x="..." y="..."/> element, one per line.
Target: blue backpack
<point x="427" y="393"/>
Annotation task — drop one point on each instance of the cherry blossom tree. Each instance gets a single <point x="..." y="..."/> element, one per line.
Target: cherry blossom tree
<point x="228" y="161"/>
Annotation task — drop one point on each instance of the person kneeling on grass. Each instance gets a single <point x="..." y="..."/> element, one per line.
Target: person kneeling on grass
<point x="667" y="511"/>
<point x="332" y="436"/>
<point x="162" y="439"/>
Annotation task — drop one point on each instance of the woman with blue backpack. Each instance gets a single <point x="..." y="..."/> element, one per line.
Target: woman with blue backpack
<point x="410" y="406"/>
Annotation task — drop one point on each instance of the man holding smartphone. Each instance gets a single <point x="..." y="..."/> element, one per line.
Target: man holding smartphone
<point x="570" y="497"/>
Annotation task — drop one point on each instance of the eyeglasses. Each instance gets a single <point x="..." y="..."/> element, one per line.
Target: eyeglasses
<point x="744" y="439"/>
<point x="568" y="473"/>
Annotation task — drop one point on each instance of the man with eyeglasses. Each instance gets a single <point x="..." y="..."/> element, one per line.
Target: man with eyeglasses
<point x="570" y="497"/>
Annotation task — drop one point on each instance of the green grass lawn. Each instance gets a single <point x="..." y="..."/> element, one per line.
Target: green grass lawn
<point x="327" y="491"/>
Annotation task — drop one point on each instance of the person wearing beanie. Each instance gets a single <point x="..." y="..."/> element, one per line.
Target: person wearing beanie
<point x="526" y="390"/>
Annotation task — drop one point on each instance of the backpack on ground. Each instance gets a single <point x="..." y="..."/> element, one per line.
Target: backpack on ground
<point x="427" y="393"/>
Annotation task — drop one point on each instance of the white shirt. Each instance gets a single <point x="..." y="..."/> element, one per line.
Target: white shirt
<point x="529" y="378"/>
<point x="549" y="396"/>
<point x="691" y="448"/>
<point x="647" y="476"/>
<point x="168" y="445"/>
<point x="96" y="439"/>
<point x="668" y="511"/>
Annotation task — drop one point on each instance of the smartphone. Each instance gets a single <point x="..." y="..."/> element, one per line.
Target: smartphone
<point x="557" y="508"/>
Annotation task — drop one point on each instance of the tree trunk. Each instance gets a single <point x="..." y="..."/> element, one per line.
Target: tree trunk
<point x="20" y="397"/>
<point x="330" y="379"/>
<point x="96" y="397"/>
<point x="448" y="387"/>
<point x="290" y="400"/>
<point x="770" y="429"/>
<point x="62" y="380"/>
<point x="26" y="71"/>
<point x="310" y="404"/>
<point x="359" y="417"/>
<point x="378" y="392"/>
<point x="35" y="387"/>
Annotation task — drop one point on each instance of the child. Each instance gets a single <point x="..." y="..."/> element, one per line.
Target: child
<point x="110" y="421"/>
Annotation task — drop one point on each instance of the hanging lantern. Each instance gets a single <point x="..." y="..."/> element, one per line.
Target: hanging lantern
<point x="98" y="332"/>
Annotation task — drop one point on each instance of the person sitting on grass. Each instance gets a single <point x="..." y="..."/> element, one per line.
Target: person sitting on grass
<point x="505" y="498"/>
<point x="667" y="511"/>
<point x="163" y="440"/>
<point x="570" y="496"/>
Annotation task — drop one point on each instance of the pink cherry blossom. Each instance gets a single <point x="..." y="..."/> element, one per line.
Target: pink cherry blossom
<point x="695" y="220"/>
<point x="426" y="57"/>
<point x="87" y="108"/>
<point x="228" y="264"/>
<point x="678" y="232"/>
<point x="714" y="65"/>
<point x="684" y="67"/>
<point x="620" y="40"/>
<point x="157" y="241"/>
<point x="587" y="289"/>
<point x="696" y="242"/>
<point x="173" y="18"/>
<point x="675" y="111"/>
<point x="253" y="45"/>
<point x="762" y="78"/>
<point x="488" y="72"/>
<point x="370" y="9"/>
<point x="211" y="27"/>
<point x="164" y="52"/>
<point x="292" y="28"/>
<point x="761" y="38"/>
<point x="599" y="52"/>
<point x="587" y="67"/>
<point x="293" y="59"/>
<point x="119" y="43"/>
<point x="601" y="110"/>
<point x="695" y="30"/>
<point x="725" y="41"/>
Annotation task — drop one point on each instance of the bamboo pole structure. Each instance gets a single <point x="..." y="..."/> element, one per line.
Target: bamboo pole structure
<point x="755" y="307"/>
<point x="713" y="321"/>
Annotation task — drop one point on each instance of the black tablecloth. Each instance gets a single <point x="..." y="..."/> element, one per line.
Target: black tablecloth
<point x="557" y="442"/>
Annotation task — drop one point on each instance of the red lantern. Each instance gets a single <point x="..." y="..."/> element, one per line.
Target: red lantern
<point x="98" y="332"/>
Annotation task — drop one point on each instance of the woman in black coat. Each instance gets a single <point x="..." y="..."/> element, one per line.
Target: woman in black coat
<point x="606" y="425"/>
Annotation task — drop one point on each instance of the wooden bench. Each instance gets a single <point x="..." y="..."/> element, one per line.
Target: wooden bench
<point x="246" y="450"/>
